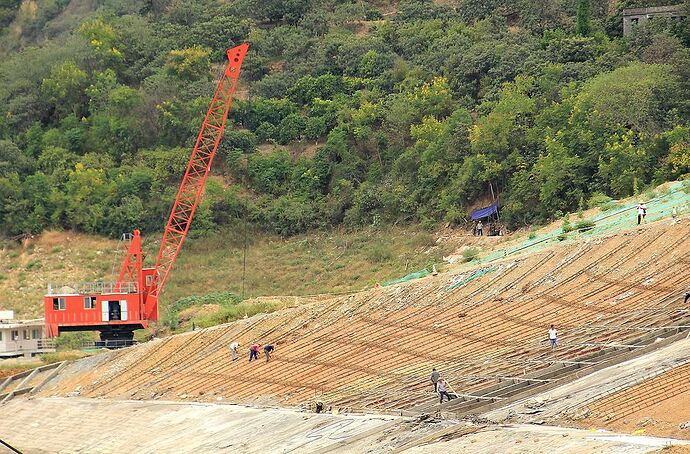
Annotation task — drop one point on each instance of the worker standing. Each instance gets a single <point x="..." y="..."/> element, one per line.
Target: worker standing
<point x="254" y="352"/>
<point x="442" y="390"/>
<point x="480" y="228"/>
<point x="233" y="350"/>
<point x="434" y="379"/>
<point x="268" y="349"/>
<point x="553" y="337"/>
<point x="641" y="213"/>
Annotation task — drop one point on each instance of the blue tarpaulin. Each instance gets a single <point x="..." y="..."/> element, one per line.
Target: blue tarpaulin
<point x="485" y="212"/>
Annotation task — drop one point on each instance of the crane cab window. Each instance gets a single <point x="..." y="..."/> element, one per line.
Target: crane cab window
<point x="35" y="333"/>
<point x="114" y="310"/>
<point x="89" y="302"/>
<point x="58" y="304"/>
<point x="15" y="335"/>
<point x="26" y="335"/>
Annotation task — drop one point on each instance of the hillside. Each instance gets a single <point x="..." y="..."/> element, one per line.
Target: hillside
<point x="302" y="265"/>
<point x="362" y="360"/>
<point x="350" y="114"/>
<point x="373" y="350"/>
<point x="208" y="274"/>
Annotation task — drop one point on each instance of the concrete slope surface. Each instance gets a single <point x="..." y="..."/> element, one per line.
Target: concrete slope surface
<point x="94" y="426"/>
<point x="375" y="350"/>
<point x="526" y="439"/>
<point x="76" y="425"/>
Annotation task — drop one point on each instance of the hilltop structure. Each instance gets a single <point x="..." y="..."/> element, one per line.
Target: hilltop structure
<point x="638" y="17"/>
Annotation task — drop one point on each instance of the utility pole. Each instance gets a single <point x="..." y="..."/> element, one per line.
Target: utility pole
<point x="244" y="259"/>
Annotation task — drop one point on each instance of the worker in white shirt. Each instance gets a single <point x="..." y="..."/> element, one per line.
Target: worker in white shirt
<point x="641" y="212"/>
<point x="233" y="350"/>
<point x="442" y="389"/>
<point x="553" y="337"/>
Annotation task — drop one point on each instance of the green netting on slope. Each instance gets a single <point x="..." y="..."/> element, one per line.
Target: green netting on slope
<point x="409" y="277"/>
<point x="614" y="221"/>
<point x="463" y="279"/>
<point x="623" y="218"/>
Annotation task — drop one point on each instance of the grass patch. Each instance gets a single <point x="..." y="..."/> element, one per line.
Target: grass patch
<point x="608" y="206"/>
<point x="74" y="341"/>
<point x="686" y="186"/>
<point x="598" y="199"/>
<point x="379" y="253"/>
<point x="470" y="254"/>
<point x="584" y="224"/>
<point x="33" y="265"/>
<point x="68" y="355"/>
<point x="235" y="311"/>
<point x="224" y="299"/>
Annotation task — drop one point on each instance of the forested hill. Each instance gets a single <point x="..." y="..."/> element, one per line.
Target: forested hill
<point x="348" y="113"/>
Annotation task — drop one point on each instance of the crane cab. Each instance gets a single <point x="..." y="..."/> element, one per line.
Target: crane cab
<point x="81" y="308"/>
<point x="115" y="308"/>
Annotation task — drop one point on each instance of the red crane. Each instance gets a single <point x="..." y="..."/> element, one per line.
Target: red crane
<point x="117" y="308"/>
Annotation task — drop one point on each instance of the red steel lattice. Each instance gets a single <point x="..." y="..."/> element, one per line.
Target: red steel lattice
<point x="197" y="170"/>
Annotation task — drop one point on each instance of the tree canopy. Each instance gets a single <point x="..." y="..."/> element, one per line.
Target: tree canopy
<point x="347" y="113"/>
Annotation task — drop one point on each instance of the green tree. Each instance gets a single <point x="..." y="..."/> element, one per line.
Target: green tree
<point x="65" y="88"/>
<point x="625" y="164"/>
<point x="104" y="40"/>
<point x="637" y="96"/>
<point x="13" y="160"/>
<point x="560" y="179"/>
<point x="189" y="64"/>
<point x="584" y="17"/>
<point x="87" y="192"/>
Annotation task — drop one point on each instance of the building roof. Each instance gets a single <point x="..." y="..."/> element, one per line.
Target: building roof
<point x="653" y="10"/>
<point x="13" y="324"/>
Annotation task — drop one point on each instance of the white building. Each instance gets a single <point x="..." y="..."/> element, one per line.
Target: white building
<point x="23" y="337"/>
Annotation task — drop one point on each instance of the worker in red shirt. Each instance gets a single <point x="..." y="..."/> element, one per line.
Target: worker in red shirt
<point x="254" y="352"/>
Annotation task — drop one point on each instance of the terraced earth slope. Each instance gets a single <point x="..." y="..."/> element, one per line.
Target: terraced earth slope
<point x="657" y="406"/>
<point x="374" y="350"/>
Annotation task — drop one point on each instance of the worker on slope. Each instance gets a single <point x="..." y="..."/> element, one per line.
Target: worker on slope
<point x="434" y="379"/>
<point x="267" y="351"/>
<point x="443" y="390"/>
<point x="641" y="212"/>
<point x="233" y="349"/>
<point x="254" y="352"/>
<point x="553" y="337"/>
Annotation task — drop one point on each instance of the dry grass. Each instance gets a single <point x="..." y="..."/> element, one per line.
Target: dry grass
<point x="27" y="268"/>
<point x="331" y="262"/>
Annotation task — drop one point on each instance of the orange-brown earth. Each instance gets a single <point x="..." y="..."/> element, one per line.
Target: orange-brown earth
<point x="654" y="407"/>
<point x="375" y="349"/>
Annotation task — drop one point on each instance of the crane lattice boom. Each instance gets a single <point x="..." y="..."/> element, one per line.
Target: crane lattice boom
<point x="198" y="168"/>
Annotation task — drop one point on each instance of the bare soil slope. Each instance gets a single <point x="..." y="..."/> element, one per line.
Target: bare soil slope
<point x="374" y="350"/>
